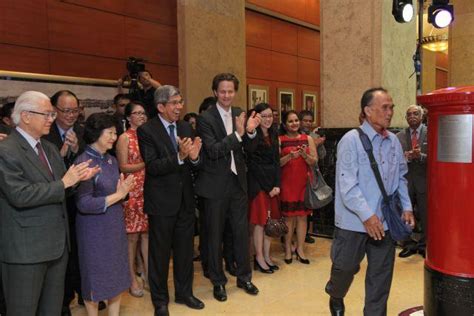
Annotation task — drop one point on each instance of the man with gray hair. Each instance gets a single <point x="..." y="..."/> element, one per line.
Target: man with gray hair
<point x="169" y="152"/>
<point x="33" y="222"/>
<point x="414" y="140"/>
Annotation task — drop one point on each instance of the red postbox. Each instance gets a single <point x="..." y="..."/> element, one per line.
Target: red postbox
<point x="449" y="264"/>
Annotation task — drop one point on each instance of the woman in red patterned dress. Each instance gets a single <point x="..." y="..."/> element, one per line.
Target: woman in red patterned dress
<point x="297" y="156"/>
<point x="131" y="163"/>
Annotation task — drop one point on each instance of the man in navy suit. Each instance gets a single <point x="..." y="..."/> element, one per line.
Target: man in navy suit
<point x="169" y="153"/>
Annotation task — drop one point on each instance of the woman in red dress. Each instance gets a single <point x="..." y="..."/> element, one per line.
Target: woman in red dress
<point x="131" y="163"/>
<point x="297" y="157"/>
<point x="263" y="179"/>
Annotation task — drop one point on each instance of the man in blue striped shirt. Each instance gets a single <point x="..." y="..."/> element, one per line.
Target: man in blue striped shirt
<point x="360" y="226"/>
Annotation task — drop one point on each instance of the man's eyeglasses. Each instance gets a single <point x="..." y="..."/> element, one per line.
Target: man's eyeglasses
<point x="176" y="102"/>
<point x="416" y="113"/>
<point x="68" y="111"/>
<point x="139" y="113"/>
<point x="48" y="115"/>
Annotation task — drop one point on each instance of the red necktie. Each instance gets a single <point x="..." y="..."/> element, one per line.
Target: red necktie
<point x="414" y="140"/>
<point x="43" y="159"/>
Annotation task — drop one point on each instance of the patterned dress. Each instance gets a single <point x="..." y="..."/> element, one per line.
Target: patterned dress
<point x="136" y="220"/>
<point x="101" y="236"/>
<point x="294" y="175"/>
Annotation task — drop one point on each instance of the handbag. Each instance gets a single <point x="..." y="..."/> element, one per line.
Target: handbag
<point x="317" y="193"/>
<point x="391" y="206"/>
<point x="275" y="227"/>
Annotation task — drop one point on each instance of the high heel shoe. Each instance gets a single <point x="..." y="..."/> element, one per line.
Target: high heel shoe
<point x="273" y="267"/>
<point x="289" y="261"/>
<point x="258" y="267"/>
<point x="298" y="257"/>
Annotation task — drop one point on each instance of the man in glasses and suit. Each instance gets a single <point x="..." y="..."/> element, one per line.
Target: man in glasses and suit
<point x="34" y="231"/>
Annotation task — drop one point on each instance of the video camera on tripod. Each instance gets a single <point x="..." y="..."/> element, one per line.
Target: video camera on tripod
<point x="134" y="67"/>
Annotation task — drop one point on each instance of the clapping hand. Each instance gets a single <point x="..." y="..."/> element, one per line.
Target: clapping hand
<point x="253" y="122"/>
<point x="125" y="185"/>
<point x="79" y="172"/>
<point x="195" y="149"/>
<point x="274" y="192"/>
<point x="240" y="123"/>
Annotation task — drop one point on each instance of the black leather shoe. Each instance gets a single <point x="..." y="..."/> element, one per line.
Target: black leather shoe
<point x="422" y="252"/>
<point x="298" y="257"/>
<point x="309" y="240"/>
<point x="288" y="261"/>
<point x="336" y="306"/>
<point x="190" y="301"/>
<point x="273" y="267"/>
<point x="258" y="267"/>
<point x="248" y="287"/>
<point x="162" y="310"/>
<point x="102" y="305"/>
<point x="407" y="252"/>
<point x="220" y="293"/>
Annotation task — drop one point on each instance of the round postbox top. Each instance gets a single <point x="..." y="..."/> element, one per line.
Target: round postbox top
<point x="447" y="96"/>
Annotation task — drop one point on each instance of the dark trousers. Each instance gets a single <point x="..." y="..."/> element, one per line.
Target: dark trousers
<point x="72" y="282"/>
<point x="233" y="206"/>
<point x="228" y="251"/>
<point x="348" y="250"/>
<point x="418" y="201"/>
<point x="171" y="233"/>
<point x="3" y="304"/>
<point x="35" y="289"/>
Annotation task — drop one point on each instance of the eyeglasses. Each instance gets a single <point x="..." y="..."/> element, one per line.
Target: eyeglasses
<point x="176" y="102"/>
<point x="48" y="115"/>
<point x="68" y="111"/>
<point x="266" y="116"/>
<point x="139" y="113"/>
<point x="416" y="113"/>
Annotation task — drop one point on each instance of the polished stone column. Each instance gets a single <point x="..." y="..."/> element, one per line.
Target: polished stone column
<point x="211" y="40"/>
<point x="362" y="46"/>
<point x="461" y="44"/>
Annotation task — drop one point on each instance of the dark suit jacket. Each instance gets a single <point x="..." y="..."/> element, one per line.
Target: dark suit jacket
<point x="33" y="217"/>
<point x="167" y="183"/>
<point x="55" y="138"/>
<point x="417" y="168"/>
<point x="4" y="129"/>
<point x="215" y="173"/>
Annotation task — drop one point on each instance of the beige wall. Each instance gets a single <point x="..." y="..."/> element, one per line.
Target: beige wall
<point x="461" y="44"/>
<point x="364" y="47"/>
<point x="428" y="71"/>
<point x="211" y="40"/>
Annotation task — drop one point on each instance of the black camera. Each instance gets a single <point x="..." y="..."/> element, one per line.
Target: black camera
<point x="135" y="66"/>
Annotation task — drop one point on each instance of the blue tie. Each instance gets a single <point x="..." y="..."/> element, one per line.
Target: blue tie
<point x="172" y="137"/>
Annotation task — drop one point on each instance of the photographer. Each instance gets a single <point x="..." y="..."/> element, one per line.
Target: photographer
<point x="141" y="85"/>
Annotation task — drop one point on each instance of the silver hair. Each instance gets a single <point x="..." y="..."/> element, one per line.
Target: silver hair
<point x="164" y="93"/>
<point x="414" y="106"/>
<point x="27" y="101"/>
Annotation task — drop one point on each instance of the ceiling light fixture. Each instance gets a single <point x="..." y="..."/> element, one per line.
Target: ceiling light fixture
<point x="403" y="10"/>
<point x="440" y="13"/>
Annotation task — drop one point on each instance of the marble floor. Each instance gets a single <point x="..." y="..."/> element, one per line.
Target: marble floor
<point x="295" y="289"/>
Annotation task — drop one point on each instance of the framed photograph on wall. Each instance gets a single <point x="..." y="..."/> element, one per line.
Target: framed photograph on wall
<point x="286" y="99"/>
<point x="310" y="103"/>
<point x="256" y="94"/>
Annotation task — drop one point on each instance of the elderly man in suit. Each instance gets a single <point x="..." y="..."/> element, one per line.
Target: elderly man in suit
<point x="169" y="152"/>
<point x="414" y="140"/>
<point x="222" y="181"/>
<point x="33" y="221"/>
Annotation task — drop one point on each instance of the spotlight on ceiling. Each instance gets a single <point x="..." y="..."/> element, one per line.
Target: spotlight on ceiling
<point x="440" y="13"/>
<point x="403" y="10"/>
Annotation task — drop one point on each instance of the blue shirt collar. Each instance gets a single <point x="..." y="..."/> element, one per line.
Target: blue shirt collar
<point x="166" y="123"/>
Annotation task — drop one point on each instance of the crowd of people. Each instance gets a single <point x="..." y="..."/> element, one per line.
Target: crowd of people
<point x="97" y="207"/>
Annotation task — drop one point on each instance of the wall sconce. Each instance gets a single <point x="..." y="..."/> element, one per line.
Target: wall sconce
<point x="402" y="10"/>
<point x="440" y="13"/>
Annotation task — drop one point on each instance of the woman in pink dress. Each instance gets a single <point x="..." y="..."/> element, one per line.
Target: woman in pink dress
<point x="131" y="163"/>
<point x="297" y="157"/>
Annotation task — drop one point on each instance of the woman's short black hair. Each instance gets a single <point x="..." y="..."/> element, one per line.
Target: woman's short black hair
<point x="129" y="108"/>
<point x="284" y="118"/>
<point x="259" y="108"/>
<point x="95" y="124"/>
<point x="190" y="115"/>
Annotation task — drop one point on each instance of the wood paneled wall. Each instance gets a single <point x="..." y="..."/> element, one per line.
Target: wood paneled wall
<point x="89" y="38"/>
<point x="282" y="55"/>
<point x="304" y="10"/>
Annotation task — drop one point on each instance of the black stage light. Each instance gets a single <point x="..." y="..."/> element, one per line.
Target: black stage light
<point x="403" y="10"/>
<point x="440" y="13"/>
